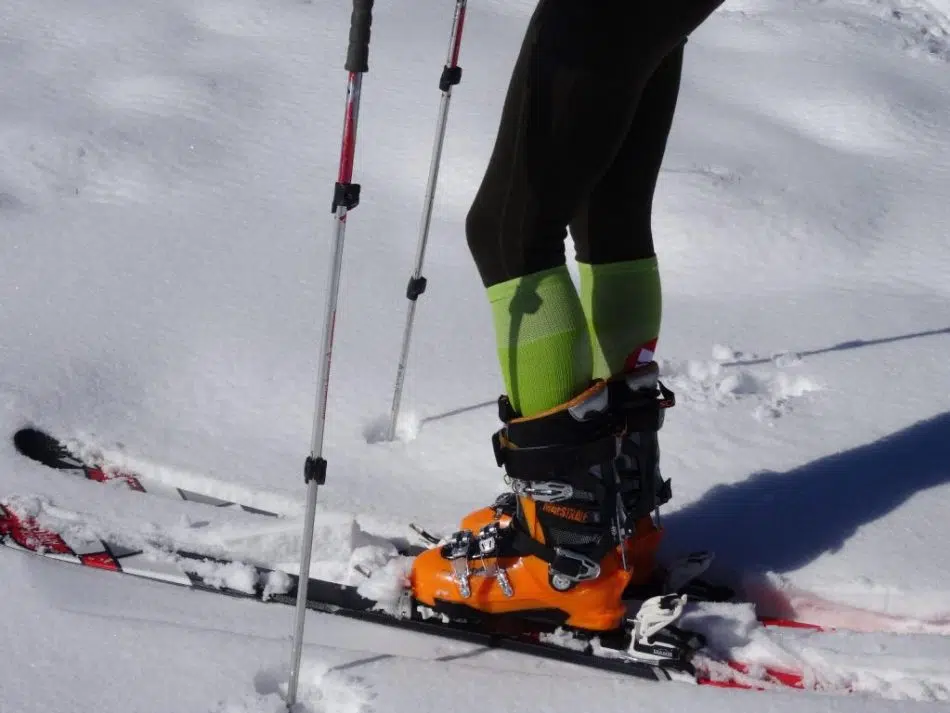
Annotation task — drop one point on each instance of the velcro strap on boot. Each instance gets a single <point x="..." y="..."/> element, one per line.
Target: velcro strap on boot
<point x="644" y="411"/>
<point x="641" y="402"/>
<point x="544" y="462"/>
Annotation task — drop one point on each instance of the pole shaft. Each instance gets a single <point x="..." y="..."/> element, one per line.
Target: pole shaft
<point x="455" y="46"/>
<point x="346" y="197"/>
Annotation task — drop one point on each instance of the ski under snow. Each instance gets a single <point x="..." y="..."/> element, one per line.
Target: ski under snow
<point x="655" y="644"/>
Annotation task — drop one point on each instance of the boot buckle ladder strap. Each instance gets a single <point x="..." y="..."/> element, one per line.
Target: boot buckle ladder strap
<point x="463" y="546"/>
<point x="491" y="541"/>
<point x="457" y="550"/>
<point x="461" y="573"/>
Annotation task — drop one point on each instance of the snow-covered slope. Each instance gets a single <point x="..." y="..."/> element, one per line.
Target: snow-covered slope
<point x="165" y="181"/>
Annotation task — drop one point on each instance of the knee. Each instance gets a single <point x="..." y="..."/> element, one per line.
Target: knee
<point x="481" y="234"/>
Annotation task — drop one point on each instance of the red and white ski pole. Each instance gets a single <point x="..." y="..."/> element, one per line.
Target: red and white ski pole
<point x="346" y="196"/>
<point x="451" y="75"/>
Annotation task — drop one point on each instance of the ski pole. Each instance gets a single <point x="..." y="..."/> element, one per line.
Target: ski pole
<point x="346" y="196"/>
<point x="451" y="75"/>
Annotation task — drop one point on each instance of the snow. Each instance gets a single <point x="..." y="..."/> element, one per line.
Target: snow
<point x="165" y="180"/>
<point x="325" y="690"/>
<point x="898" y="667"/>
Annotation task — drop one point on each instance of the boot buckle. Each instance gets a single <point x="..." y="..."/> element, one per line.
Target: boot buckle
<point x="581" y="569"/>
<point x="464" y="546"/>
<point x="544" y="491"/>
<point x="458" y="546"/>
<point x="502" y="578"/>
<point x="489" y="540"/>
<point x="456" y="550"/>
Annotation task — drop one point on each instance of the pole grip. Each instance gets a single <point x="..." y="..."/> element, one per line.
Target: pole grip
<point x="357" y="54"/>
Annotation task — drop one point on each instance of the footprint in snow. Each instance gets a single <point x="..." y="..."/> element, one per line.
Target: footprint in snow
<point x="769" y="384"/>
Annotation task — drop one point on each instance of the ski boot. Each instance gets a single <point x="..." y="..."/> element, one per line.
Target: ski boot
<point x="502" y="510"/>
<point x="633" y="395"/>
<point x="563" y="556"/>
<point x="640" y="401"/>
<point x="506" y="504"/>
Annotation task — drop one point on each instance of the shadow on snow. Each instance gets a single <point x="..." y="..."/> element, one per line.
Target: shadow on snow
<point x="779" y="522"/>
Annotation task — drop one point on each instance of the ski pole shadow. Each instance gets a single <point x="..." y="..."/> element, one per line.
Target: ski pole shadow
<point x="360" y="662"/>
<point x="842" y="346"/>
<point x="457" y="412"/>
<point x="779" y="522"/>
<point x="474" y="653"/>
<point x="846" y="346"/>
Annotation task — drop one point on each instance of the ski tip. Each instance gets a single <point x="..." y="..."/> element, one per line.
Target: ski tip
<point x="39" y="446"/>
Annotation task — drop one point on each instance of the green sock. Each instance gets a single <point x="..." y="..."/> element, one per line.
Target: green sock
<point x="622" y="303"/>
<point x="543" y="345"/>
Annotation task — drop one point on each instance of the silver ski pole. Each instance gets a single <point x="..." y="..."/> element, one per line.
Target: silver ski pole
<point x="451" y="75"/>
<point x="346" y="196"/>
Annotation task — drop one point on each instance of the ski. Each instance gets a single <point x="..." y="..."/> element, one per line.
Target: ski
<point x="204" y="572"/>
<point x="83" y="459"/>
<point x="88" y="461"/>
<point x="666" y="653"/>
<point x="23" y="532"/>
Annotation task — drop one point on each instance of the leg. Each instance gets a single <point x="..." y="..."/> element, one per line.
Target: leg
<point x="570" y="100"/>
<point x="621" y="293"/>
<point x="620" y="282"/>
<point x="614" y="223"/>
<point x="572" y="97"/>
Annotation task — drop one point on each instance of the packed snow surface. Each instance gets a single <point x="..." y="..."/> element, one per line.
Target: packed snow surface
<point x="166" y="172"/>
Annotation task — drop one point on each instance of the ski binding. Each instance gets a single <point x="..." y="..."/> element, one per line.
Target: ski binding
<point x="655" y="640"/>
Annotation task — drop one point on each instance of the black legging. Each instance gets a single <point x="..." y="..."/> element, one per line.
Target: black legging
<point x="582" y="135"/>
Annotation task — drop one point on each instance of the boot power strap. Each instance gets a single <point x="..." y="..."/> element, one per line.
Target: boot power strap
<point x="543" y="462"/>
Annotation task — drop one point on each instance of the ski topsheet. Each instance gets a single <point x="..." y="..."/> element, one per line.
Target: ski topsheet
<point x="83" y="459"/>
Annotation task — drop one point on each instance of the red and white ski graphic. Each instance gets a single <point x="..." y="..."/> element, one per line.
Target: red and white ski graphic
<point x="29" y="532"/>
